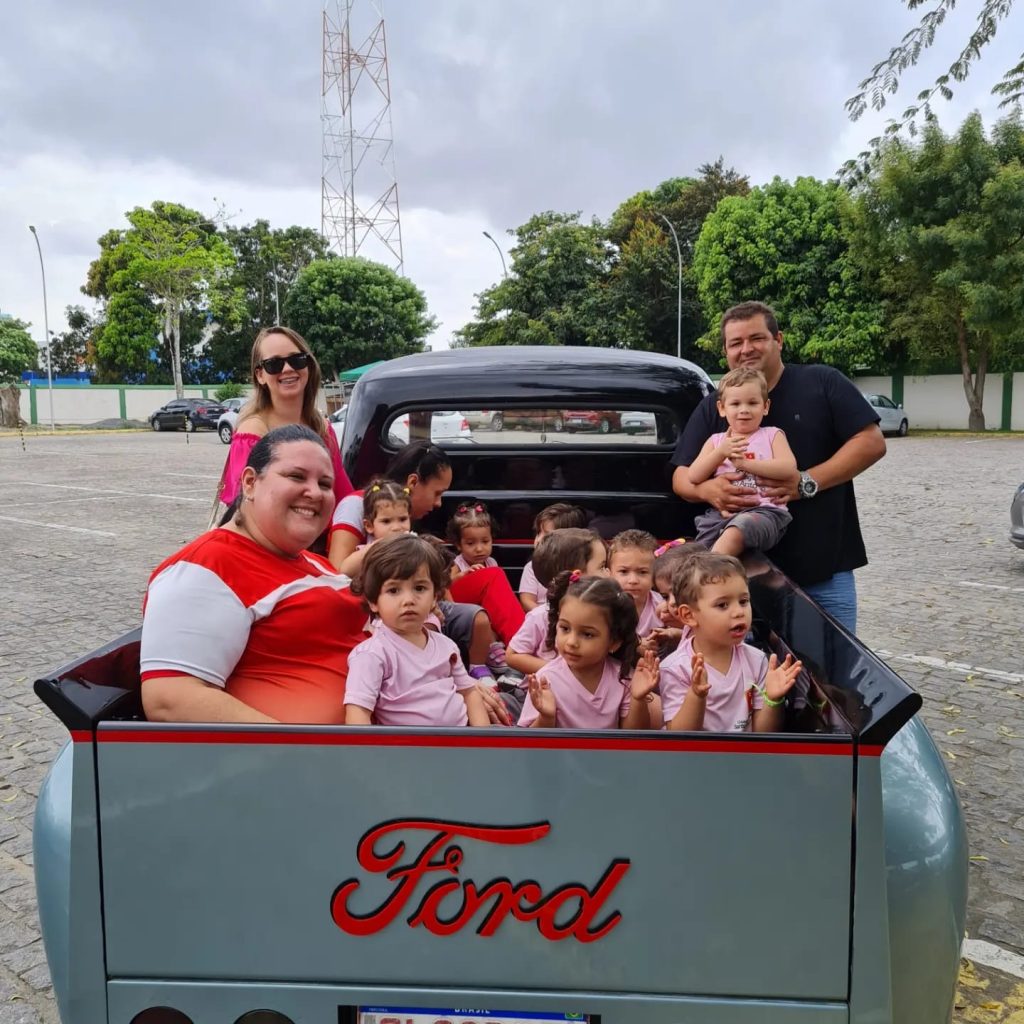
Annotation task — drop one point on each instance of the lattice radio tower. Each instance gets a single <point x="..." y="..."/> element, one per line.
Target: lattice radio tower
<point x="358" y="146"/>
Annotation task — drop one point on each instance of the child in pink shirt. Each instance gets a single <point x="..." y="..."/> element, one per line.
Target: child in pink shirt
<point x="631" y="565"/>
<point x="559" y="516"/>
<point x="714" y="681"/>
<point x="592" y="683"/>
<point x="406" y="674"/>
<point x="387" y="512"/>
<point x="471" y="532"/>
<point x="762" y="454"/>
<point x="559" y="551"/>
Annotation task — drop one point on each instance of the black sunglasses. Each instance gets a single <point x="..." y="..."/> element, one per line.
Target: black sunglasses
<point x="275" y="364"/>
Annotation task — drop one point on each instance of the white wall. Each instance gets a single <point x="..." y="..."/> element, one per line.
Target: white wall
<point x="1017" y="412"/>
<point x="874" y="385"/>
<point x="938" y="402"/>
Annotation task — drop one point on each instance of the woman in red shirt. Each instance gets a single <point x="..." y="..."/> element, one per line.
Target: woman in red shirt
<point x="244" y="624"/>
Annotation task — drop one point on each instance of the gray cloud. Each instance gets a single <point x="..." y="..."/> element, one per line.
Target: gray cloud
<point x="504" y="108"/>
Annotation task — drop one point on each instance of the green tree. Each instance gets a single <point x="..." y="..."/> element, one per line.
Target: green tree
<point x="353" y="311"/>
<point x="786" y="244"/>
<point x="642" y="297"/>
<point x="940" y="233"/>
<point x="552" y="295"/>
<point x="179" y="260"/>
<point x="127" y="339"/>
<point x="18" y="353"/>
<point x="884" y="79"/>
<point x="75" y="349"/>
<point x="267" y="262"/>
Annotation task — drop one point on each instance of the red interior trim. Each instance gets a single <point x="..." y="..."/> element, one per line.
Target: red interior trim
<point x="81" y="736"/>
<point x="510" y="741"/>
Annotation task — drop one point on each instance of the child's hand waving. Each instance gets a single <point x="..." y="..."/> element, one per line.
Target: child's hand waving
<point x="645" y="676"/>
<point x="779" y="679"/>
<point x="541" y="696"/>
<point x="699" y="684"/>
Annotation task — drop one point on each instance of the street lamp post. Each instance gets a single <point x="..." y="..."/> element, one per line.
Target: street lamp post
<point x="46" y="327"/>
<point x="504" y="272"/>
<point x="679" y="291"/>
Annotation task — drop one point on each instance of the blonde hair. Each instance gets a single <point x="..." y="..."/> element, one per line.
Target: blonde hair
<point x="740" y="376"/>
<point x="261" y="402"/>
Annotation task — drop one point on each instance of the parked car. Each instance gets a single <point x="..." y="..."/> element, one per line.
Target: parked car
<point x="226" y="872"/>
<point x="639" y="423"/>
<point x="337" y="422"/>
<point x="528" y="419"/>
<point x="445" y="425"/>
<point x="485" y="419"/>
<point x="228" y="418"/>
<point x="187" y="414"/>
<point x="892" y="418"/>
<point x="1017" y="518"/>
<point x="602" y="420"/>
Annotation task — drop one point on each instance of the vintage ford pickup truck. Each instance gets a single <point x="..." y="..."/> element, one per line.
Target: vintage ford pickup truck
<point x="306" y="874"/>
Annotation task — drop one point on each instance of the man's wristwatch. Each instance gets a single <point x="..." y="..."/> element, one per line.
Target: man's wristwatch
<point x="808" y="486"/>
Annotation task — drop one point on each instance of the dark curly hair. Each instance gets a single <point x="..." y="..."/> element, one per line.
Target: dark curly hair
<point x="398" y="558"/>
<point x="606" y="594"/>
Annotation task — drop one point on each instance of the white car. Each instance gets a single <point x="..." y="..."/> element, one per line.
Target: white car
<point x="228" y="418"/>
<point x="337" y="422"/>
<point x="444" y="426"/>
<point x="892" y="418"/>
<point x="639" y="423"/>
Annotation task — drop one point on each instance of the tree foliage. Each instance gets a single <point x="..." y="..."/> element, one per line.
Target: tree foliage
<point x="177" y="258"/>
<point x="353" y="311"/>
<point x="18" y="352"/>
<point x="785" y="244"/>
<point x="267" y="262"/>
<point x="75" y="349"/>
<point x="940" y="235"/>
<point x="552" y="291"/>
<point x="642" y="300"/>
<point x="885" y="76"/>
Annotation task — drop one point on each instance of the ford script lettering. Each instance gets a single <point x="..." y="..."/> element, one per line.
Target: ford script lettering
<point x="449" y="904"/>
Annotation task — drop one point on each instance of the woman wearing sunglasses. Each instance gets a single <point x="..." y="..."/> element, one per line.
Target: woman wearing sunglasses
<point x="287" y="380"/>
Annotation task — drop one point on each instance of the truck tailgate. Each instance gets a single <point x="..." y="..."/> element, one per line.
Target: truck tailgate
<point x="693" y="865"/>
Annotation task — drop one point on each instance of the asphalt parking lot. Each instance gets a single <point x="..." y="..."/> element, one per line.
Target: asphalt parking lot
<point x="85" y="518"/>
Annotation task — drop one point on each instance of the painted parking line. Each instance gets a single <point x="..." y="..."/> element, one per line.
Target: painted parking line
<point x="195" y="476"/>
<point x="77" y="500"/>
<point x="959" y="667"/>
<point x="992" y="586"/>
<point x="57" y="526"/>
<point x="994" y="956"/>
<point x="107" y="490"/>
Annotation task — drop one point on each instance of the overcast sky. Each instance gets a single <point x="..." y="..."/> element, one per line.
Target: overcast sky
<point x="499" y="111"/>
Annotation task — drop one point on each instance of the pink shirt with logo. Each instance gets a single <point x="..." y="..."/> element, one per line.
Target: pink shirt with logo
<point x="732" y="696"/>
<point x="403" y="684"/>
<point x="576" y="706"/>
<point x="759" y="444"/>
<point x="531" y="637"/>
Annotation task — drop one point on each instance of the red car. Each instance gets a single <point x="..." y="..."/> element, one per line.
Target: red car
<point x="602" y="420"/>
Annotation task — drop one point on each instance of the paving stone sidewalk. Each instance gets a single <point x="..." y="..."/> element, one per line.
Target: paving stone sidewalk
<point x="83" y="521"/>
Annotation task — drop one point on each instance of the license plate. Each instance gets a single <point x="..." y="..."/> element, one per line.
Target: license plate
<point x="414" y="1015"/>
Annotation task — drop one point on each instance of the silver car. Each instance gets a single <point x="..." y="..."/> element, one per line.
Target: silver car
<point x="1017" y="518"/>
<point x="892" y="417"/>
<point x="228" y="418"/>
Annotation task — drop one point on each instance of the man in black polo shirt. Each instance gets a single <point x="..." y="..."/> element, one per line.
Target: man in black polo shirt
<point x="834" y="435"/>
